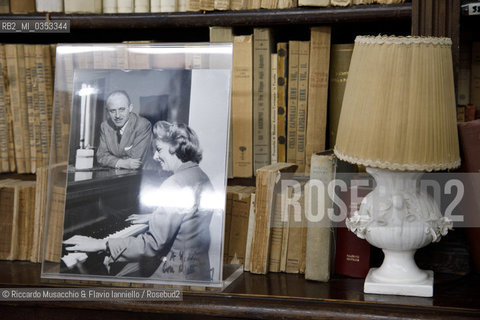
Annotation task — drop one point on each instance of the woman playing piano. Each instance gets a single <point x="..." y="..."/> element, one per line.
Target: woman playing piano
<point x="176" y="245"/>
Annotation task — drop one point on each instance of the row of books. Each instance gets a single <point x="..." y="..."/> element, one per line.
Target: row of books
<point x="26" y="99"/>
<point x="284" y="97"/>
<point x="271" y="228"/>
<point x="154" y="6"/>
<point x="468" y="83"/>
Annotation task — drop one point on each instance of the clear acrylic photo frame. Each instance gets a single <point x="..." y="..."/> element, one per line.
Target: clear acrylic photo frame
<point x="177" y="83"/>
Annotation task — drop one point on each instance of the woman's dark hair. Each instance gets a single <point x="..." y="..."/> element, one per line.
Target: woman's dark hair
<point x="182" y="139"/>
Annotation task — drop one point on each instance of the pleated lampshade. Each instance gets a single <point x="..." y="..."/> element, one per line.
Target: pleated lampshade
<point x="398" y="110"/>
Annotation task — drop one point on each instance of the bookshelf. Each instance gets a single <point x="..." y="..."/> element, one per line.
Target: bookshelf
<point x="271" y="295"/>
<point x="258" y="297"/>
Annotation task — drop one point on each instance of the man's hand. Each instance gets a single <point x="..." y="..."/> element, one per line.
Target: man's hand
<point x="129" y="163"/>
<point x="85" y="244"/>
<point x="139" y="218"/>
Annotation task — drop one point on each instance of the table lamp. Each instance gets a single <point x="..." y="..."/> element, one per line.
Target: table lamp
<point x="398" y="119"/>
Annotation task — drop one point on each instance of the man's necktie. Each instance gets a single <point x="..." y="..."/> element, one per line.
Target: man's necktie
<point x="119" y="135"/>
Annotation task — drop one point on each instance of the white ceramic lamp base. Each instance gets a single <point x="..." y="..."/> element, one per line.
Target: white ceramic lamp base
<point x="399" y="218"/>
<point x="420" y="289"/>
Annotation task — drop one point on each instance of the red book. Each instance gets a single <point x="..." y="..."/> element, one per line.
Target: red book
<point x="352" y="257"/>
<point x="470" y="112"/>
<point x="469" y="134"/>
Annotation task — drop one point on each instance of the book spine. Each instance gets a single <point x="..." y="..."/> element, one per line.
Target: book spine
<point x="193" y="5"/>
<point x="221" y="5"/>
<point x="7" y="225"/>
<point x="238" y="235"/>
<point x="352" y="255"/>
<point x="155" y="6"/>
<point x="242" y="95"/>
<point x="13" y="61"/>
<point x="207" y="5"/>
<point x="276" y="235"/>
<point x="238" y="4"/>
<point x="142" y="6"/>
<point x="22" y="6"/>
<point x="282" y="70"/>
<point x="8" y="114"/>
<point x="110" y="6"/>
<point x="262" y="48"/>
<point x="169" y="6"/>
<point x="292" y="101"/>
<point x="4" y="163"/>
<point x="303" y="60"/>
<point x="340" y="63"/>
<point x="85" y="6"/>
<point x="314" y="3"/>
<point x="475" y="74"/>
<point x="317" y="92"/>
<point x="319" y="231"/>
<point x="49" y="5"/>
<point x="29" y="67"/>
<point x="340" y="3"/>
<point x="4" y="6"/>
<point x="250" y="231"/>
<point x="273" y="108"/>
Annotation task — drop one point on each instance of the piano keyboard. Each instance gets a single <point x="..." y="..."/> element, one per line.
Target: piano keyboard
<point x="71" y="259"/>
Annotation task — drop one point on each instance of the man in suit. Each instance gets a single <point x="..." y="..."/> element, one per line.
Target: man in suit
<point x="125" y="136"/>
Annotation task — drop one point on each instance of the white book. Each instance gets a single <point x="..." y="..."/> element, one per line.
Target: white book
<point x="49" y="5"/>
<point x="125" y="6"/>
<point x="169" y="5"/>
<point x="155" y="6"/>
<point x="142" y="6"/>
<point x="110" y="6"/>
<point x="84" y="6"/>
<point x="314" y="3"/>
<point x="250" y="231"/>
<point x="182" y="6"/>
<point x="273" y="108"/>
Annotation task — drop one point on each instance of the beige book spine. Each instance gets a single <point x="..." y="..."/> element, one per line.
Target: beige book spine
<point x="285" y="4"/>
<point x="7" y="220"/>
<point x="13" y="53"/>
<point x="142" y="6"/>
<point x="125" y="6"/>
<point x="250" y="231"/>
<point x="43" y="110"/>
<point x="317" y="92"/>
<point x="29" y="51"/>
<point x="340" y="63"/>
<point x="319" y="230"/>
<point x="22" y="6"/>
<point x="297" y="234"/>
<point x="193" y="5"/>
<point x="110" y="6"/>
<point x="273" y="108"/>
<point x="267" y="178"/>
<point x="4" y="128"/>
<point x="276" y="235"/>
<point x="221" y="5"/>
<point x="253" y="4"/>
<point x="238" y="4"/>
<point x="4" y="6"/>
<point x="314" y="3"/>
<point x="294" y="47"/>
<point x="207" y="5"/>
<point x="238" y="234"/>
<point x="302" y="103"/>
<point x="262" y="48"/>
<point x="54" y="224"/>
<point x="282" y="70"/>
<point x="242" y="111"/>
<point x="340" y="3"/>
<point x="269" y="4"/>
<point x="84" y="6"/>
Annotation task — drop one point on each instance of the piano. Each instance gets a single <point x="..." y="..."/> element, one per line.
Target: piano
<point x="97" y="208"/>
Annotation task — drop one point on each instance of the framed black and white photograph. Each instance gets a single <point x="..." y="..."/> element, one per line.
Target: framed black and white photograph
<point x="144" y="168"/>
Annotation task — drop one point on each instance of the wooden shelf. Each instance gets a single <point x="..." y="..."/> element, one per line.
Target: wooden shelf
<point x="259" y="296"/>
<point x="298" y="16"/>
